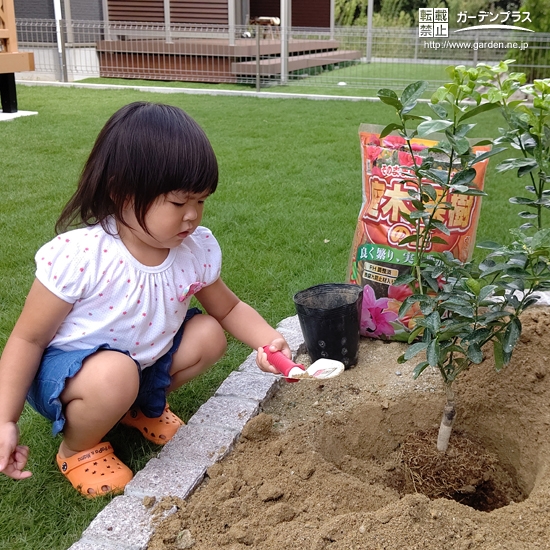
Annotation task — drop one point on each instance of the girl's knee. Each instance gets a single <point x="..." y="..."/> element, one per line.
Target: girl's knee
<point x="203" y="344"/>
<point x="106" y="374"/>
<point x="215" y="338"/>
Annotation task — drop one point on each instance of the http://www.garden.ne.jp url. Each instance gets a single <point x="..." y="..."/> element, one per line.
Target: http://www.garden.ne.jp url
<point x="488" y="45"/>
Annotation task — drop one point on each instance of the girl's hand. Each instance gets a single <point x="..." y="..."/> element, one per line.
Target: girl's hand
<point x="13" y="457"/>
<point x="279" y="344"/>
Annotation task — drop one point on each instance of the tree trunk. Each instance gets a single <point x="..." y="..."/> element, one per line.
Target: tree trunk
<point x="447" y="421"/>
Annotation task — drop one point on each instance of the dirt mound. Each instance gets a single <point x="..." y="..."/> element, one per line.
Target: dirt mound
<point x="331" y="465"/>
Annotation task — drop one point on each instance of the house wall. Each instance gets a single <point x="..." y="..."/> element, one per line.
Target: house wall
<point x="34" y="9"/>
<point x="305" y="13"/>
<point x="207" y="12"/>
<point x="81" y="10"/>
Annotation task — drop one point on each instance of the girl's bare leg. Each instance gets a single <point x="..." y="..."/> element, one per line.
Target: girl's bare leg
<point x="203" y="344"/>
<point x="96" y="398"/>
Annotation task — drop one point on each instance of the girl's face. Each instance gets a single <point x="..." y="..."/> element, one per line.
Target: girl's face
<point x="169" y="220"/>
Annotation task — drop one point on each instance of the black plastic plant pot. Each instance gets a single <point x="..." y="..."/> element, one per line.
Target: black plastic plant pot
<point x="329" y="316"/>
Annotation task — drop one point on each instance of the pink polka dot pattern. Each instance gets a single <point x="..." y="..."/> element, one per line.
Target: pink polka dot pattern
<point x="116" y="299"/>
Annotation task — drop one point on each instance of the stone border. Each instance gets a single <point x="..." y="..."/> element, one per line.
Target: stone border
<point x="126" y="523"/>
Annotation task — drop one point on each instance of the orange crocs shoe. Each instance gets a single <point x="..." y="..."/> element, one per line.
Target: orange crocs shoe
<point x="158" y="430"/>
<point x="95" y="472"/>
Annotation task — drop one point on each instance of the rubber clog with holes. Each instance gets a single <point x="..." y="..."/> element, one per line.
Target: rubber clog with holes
<point x="96" y="471"/>
<point x="158" y="430"/>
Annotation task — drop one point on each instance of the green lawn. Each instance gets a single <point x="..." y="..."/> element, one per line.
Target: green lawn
<point x="284" y="213"/>
<point x="362" y="80"/>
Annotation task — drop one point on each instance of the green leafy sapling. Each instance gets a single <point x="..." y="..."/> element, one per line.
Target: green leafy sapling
<point x="465" y="306"/>
<point x="527" y="131"/>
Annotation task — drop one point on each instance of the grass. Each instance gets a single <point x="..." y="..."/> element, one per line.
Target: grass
<point x="284" y="213"/>
<point x="361" y="80"/>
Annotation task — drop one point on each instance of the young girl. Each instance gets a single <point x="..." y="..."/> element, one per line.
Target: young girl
<point x="106" y="331"/>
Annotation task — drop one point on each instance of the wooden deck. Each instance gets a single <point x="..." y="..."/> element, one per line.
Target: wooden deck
<point x="212" y="60"/>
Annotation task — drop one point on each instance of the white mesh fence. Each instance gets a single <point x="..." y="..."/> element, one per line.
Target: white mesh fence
<point x="262" y="55"/>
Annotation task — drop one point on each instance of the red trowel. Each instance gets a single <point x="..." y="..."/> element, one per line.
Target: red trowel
<point x="319" y="370"/>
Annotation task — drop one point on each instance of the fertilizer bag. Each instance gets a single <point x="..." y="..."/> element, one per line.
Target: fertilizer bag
<point x="376" y="257"/>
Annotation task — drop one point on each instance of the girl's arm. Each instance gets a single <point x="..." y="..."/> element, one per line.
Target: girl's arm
<point x="242" y="321"/>
<point x="42" y="314"/>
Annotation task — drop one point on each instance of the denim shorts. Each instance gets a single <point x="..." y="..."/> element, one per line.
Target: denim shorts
<point x="57" y="366"/>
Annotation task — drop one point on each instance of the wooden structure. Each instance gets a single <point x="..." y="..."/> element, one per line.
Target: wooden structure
<point x="189" y="50"/>
<point x="305" y="13"/>
<point x="11" y="60"/>
<point x="213" y="60"/>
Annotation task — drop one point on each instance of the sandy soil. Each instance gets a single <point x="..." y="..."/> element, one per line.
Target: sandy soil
<point x="324" y="465"/>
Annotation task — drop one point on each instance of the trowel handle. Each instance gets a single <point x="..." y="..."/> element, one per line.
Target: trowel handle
<point x="280" y="361"/>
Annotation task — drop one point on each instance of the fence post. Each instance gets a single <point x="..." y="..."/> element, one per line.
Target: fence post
<point x="370" y="8"/>
<point x="476" y="40"/>
<point x="60" y="37"/>
<point x="61" y="50"/>
<point x="167" y="22"/>
<point x="258" y="53"/>
<point x="286" y="7"/>
<point x="231" y="21"/>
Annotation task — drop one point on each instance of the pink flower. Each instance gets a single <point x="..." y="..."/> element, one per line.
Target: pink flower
<point x="373" y="139"/>
<point x="418" y="147"/>
<point x="375" y="321"/>
<point x="399" y="292"/>
<point x="394" y="142"/>
<point x="373" y="153"/>
<point x="405" y="159"/>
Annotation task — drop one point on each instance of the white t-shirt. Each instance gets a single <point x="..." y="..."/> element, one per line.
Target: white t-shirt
<point x="119" y="301"/>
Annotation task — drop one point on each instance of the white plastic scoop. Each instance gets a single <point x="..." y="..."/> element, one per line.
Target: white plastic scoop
<point x="319" y="370"/>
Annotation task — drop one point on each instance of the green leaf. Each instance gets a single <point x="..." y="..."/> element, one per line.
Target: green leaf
<point x="526" y="169"/>
<point x="419" y="369"/>
<point x="389" y="97"/>
<point x="487" y="154"/>
<point x="498" y="353"/>
<point x="463" y="177"/>
<point x="490" y="245"/>
<point x="414" y="349"/>
<point x="541" y="239"/>
<point x="460" y="145"/>
<point x="486" y="291"/>
<point x="438" y="240"/>
<point x="511" y="335"/>
<point x="483" y="142"/>
<point x="390" y="128"/>
<point x="404" y="279"/>
<point x="511" y="164"/>
<point x="439" y="110"/>
<point x="432" y="322"/>
<point x="438" y="176"/>
<point x="475" y="355"/>
<point x="430" y="191"/>
<point x="431" y="126"/>
<point x="441" y="226"/>
<point x="413" y="91"/>
<point x="432" y="353"/>
<point x="477" y="110"/>
<point x="522" y="200"/>
<point x="414" y="334"/>
<point x="464" y="311"/>
<point x="409" y="239"/>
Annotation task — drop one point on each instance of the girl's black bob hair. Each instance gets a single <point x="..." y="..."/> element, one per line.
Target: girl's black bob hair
<point x="145" y="150"/>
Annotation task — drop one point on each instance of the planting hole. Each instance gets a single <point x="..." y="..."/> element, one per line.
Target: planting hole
<point x="399" y="449"/>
